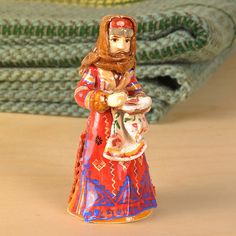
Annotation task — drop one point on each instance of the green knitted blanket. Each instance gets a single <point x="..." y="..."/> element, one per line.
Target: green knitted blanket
<point x="42" y="43"/>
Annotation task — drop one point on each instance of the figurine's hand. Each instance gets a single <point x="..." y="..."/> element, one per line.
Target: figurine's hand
<point x="117" y="99"/>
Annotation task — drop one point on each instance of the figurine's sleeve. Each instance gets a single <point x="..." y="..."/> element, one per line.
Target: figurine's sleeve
<point x="134" y="88"/>
<point x="87" y="95"/>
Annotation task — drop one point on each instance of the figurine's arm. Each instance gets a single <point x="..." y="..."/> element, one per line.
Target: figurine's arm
<point x="86" y="95"/>
<point x="134" y="88"/>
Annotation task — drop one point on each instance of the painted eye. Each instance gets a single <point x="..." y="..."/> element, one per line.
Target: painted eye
<point x="127" y="40"/>
<point x="114" y="40"/>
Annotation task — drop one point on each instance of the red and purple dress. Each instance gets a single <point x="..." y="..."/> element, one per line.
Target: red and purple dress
<point x="106" y="189"/>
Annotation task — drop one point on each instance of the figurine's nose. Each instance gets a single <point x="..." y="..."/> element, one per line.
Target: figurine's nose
<point x="121" y="44"/>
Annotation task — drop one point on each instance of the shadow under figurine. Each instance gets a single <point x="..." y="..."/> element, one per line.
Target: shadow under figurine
<point x="111" y="181"/>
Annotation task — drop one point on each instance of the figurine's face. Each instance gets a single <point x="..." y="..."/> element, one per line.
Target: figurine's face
<point x="119" y="44"/>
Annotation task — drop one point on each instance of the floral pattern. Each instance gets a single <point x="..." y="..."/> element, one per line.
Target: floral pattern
<point x="98" y="140"/>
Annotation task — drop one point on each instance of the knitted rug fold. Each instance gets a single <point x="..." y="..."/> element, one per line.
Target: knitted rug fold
<point x="179" y="45"/>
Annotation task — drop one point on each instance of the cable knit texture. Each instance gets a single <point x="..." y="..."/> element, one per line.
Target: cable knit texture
<point x="179" y="45"/>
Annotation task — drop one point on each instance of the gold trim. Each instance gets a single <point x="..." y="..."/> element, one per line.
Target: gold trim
<point x="141" y="216"/>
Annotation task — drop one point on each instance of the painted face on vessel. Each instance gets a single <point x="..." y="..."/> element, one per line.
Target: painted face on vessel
<point x="120" y="35"/>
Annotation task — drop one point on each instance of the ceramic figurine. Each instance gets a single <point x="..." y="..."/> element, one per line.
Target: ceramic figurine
<point x="112" y="182"/>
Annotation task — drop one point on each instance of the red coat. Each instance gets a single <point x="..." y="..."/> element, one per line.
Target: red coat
<point x="105" y="189"/>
